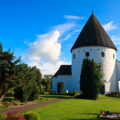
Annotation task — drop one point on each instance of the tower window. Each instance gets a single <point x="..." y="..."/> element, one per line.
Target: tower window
<point x="113" y="56"/>
<point x="102" y="54"/>
<point x="87" y="54"/>
<point x="73" y="56"/>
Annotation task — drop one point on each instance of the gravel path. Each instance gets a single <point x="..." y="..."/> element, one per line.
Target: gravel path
<point x="29" y="106"/>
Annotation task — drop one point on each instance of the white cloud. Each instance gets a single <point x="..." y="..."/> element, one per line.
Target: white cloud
<point x="46" y="47"/>
<point x="116" y="40"/>
<point x="62" y="28"/>
<point x="109" y="26"/>
<point x="45" y="51"/>
<point x="73" y="17"/>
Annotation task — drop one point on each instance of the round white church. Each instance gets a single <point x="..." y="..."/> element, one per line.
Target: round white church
<point x="93" y="43"/>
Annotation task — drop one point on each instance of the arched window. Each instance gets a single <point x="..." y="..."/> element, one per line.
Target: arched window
<point x="87" y="54"/>
<point x="102" y="54"/>
<point x="73" y="56"/>
<point x="113" y="56"/>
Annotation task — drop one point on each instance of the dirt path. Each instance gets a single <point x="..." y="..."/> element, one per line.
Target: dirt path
<point x="29" y="106"/>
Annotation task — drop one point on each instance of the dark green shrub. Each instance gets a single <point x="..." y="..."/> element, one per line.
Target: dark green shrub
<point x="34" y="94"/>
<point x="32" y="116"/>
<point x="3" y="116"/>
<point x="6" y="103"/>
<point x="74" y="92"/>
<point x="22" y="94"/>
<point x="113" y="94"/>
<point x="9" y="93"/>
<point x="15" y="102"/>
<point x="8" y="99"/>
<point x="91" y="79"/>
<point x="60" y="86"/>
<point x="18" y="93"/>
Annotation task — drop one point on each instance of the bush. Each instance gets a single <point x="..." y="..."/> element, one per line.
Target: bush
<point x="91" y="79"/>
<point x="26" y="94"/>
<point x="6" y="103"/>
<point x="14" y="116"/>
<point x="22" y="94"/>
<point x="20" y="117"/>
<point x="7" y="99"/>
<point x="32" y="116"/>
<point x="9" y="93"/>
<point x="74" y="92"/>
<point x="15" y="102"/>
<point x="60" y="86"/>
<point x="113" y="94"/>
<point x="3" y="116"/>
<point x="34" y="94"/>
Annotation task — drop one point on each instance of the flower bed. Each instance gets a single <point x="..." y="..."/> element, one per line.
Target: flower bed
<point x="109" y="115"/>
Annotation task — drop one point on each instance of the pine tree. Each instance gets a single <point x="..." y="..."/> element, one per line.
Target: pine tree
<point x="7" y="70"/>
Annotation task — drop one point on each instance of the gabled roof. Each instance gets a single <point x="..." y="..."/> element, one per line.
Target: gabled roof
<point x="93" y="34"/>
<point x="63" y="70"/>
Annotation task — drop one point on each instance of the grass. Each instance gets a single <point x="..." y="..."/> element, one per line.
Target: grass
<point x="78" y="109"/>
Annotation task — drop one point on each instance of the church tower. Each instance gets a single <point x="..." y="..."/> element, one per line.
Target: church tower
<point x="94" y="43"/>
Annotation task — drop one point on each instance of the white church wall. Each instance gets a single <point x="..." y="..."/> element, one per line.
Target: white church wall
<point x="67" y="79"/>
<point x="108" y="63"/>
<point x="118" y="75"/>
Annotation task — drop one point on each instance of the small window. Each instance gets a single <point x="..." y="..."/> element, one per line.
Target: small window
<point x="87" y="54"/>
<point x="113" y="56"/>
<point x="73" y="56"/>
<point x="98" y="49"/>
<point x="90" y="49"/>
<point x="102" y="54"/>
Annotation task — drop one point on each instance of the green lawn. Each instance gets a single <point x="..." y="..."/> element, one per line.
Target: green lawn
<point x="78" y="109"/>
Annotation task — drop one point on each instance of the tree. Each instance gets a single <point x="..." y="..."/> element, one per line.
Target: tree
<point x="91" y="79"/>
<point x="60" y="86"/>
<point x="27" y="82"/>
<point x="7" y="70"/>
<point x="38" y="76"/>
<point x="49" y="81"/>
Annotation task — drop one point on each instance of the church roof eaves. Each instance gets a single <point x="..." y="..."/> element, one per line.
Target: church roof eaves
<point x="63" y="70"/>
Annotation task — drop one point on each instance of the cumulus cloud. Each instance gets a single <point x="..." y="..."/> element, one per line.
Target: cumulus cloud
<point x="72" y="17"/>
<point x="46" y="47"/>
<point x="109" y="26"/>
<point x="62" y="28"/>
<point x="45" y="51"/>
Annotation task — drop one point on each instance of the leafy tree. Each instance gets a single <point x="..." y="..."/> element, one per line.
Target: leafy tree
<point x="91" y="79"/>
<point x="38" y="76"/>
<point x="27" y="83"/>
<point x="49" y="81"/>
<point x="60" y="86"/>
<point x="7" y="70"/>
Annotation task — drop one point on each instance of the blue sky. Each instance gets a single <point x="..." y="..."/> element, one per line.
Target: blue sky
<point x="42" y="32"/>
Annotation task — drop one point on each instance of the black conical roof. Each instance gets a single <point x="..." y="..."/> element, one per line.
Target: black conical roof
<point x="93" y="34"/>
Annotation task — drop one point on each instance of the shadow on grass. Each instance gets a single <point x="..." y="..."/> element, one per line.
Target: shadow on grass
<point x="87" y="119"/>
<point x="55" y="96"/>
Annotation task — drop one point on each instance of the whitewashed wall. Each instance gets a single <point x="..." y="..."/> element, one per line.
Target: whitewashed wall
<point x="67" y="79"/>
<point x="118" y="75"/>
<point x="108" y="63"/>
